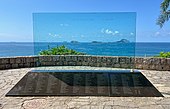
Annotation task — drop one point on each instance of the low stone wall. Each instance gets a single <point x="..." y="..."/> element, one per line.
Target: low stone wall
<point x="151" y="63"/>
<point x="95" y="61"/>
<point x="18" y="62"/>
<point x="85" y="60"/>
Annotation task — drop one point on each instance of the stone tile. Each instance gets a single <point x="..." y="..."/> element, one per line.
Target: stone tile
<point x="34" y="104"/>
<point x="120" y="107"/>
<point x="151" y="107"/>
<point x="86" y="107"/>
<point x="108" y="107"/>
<point x="8" y="78"/>
<point x="96" y="107"/>
<point x="166" y="106"/>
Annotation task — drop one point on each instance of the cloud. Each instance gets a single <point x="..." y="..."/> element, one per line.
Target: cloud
<point x="54" y="35"/>
<point x="64" y="24"/>
<point x="161" y="33"/>
<point x="157" y="33"/>
<point x="131" y="34"/>
<point x="49" y="34"/>
<point x="107" y="31"/>
<point x="116" y="32"/>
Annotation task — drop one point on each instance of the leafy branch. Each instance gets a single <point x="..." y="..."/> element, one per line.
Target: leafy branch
<point x="60" y="50"/>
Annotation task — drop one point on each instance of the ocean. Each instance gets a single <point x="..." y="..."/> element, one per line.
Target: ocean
<point x="108" y="49"/>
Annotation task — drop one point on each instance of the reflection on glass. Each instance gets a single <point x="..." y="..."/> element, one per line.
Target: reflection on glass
<point x="111" y="34"/>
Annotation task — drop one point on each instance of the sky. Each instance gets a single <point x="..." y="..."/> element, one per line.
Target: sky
<point x="16" y="16"/>
<point x="84" y="27"/>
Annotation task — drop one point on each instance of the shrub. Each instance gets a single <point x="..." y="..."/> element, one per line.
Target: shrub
<point x="60" y="50"/>
<point x="164" y="55"/>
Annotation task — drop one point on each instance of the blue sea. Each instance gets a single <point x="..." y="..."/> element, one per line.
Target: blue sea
<point x="108" y="49"/>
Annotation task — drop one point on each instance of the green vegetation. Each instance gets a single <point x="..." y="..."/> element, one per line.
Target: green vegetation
<point x="60" y="50"/>
<point x="164" y="55"/>
<point x="165" y="13"/>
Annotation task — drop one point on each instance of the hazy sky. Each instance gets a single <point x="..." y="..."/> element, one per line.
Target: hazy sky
<point x="16" y="21"/>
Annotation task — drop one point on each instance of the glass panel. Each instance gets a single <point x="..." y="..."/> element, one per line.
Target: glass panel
<point x="106" y="34"/>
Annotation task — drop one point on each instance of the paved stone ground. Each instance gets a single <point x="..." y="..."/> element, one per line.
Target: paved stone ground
<point x="160" y="79"/>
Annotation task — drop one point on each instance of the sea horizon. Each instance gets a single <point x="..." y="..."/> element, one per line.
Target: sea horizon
<point x="139" y="49"/>
<point x="69" y="41"/>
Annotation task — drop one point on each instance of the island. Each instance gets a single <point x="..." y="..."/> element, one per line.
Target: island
<point x="123" y="41"/>
<point x="74" y="42"/>
<point x="96" y="42"/>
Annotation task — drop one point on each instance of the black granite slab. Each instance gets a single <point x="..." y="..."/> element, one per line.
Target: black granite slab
<point x="84" y="83"/>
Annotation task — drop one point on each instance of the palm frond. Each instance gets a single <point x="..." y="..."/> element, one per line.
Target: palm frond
<point x="165" y="5"/>
<point x="164" y="14"/>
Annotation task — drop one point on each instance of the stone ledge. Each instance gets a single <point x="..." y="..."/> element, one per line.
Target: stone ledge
<point x="146" y="63"/>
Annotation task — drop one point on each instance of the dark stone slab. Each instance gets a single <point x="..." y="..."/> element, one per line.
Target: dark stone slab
<point x="79" y="84"/>
<point x="132" y="84"/>
<point x="84" y="83"/>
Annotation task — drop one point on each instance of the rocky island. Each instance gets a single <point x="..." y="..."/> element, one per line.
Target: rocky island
<point x="74" y="42"/>
<point x="123" y="41"/>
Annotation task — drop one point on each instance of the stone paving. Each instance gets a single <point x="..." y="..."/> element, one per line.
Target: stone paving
<point x="8" y="78"/>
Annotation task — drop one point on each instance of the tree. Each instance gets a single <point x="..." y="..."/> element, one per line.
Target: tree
<point x="164" y="14"/>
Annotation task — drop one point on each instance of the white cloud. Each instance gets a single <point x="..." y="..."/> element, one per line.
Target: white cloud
<point x="54" y="35"/>
<point x="131" y="33"/>
<point x="157" y="33"/>
<point x="161" y="33"/>
<point x="64" y="24"/>
<point x="116" y="32"/>
<point x="107" y="31"/>
<point x="49" y="34"/>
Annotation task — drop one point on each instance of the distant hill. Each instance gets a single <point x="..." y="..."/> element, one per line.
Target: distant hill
<point x="96" y="42"/>
<point x="123" y="41"/>
<point x="74" y="42"/>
